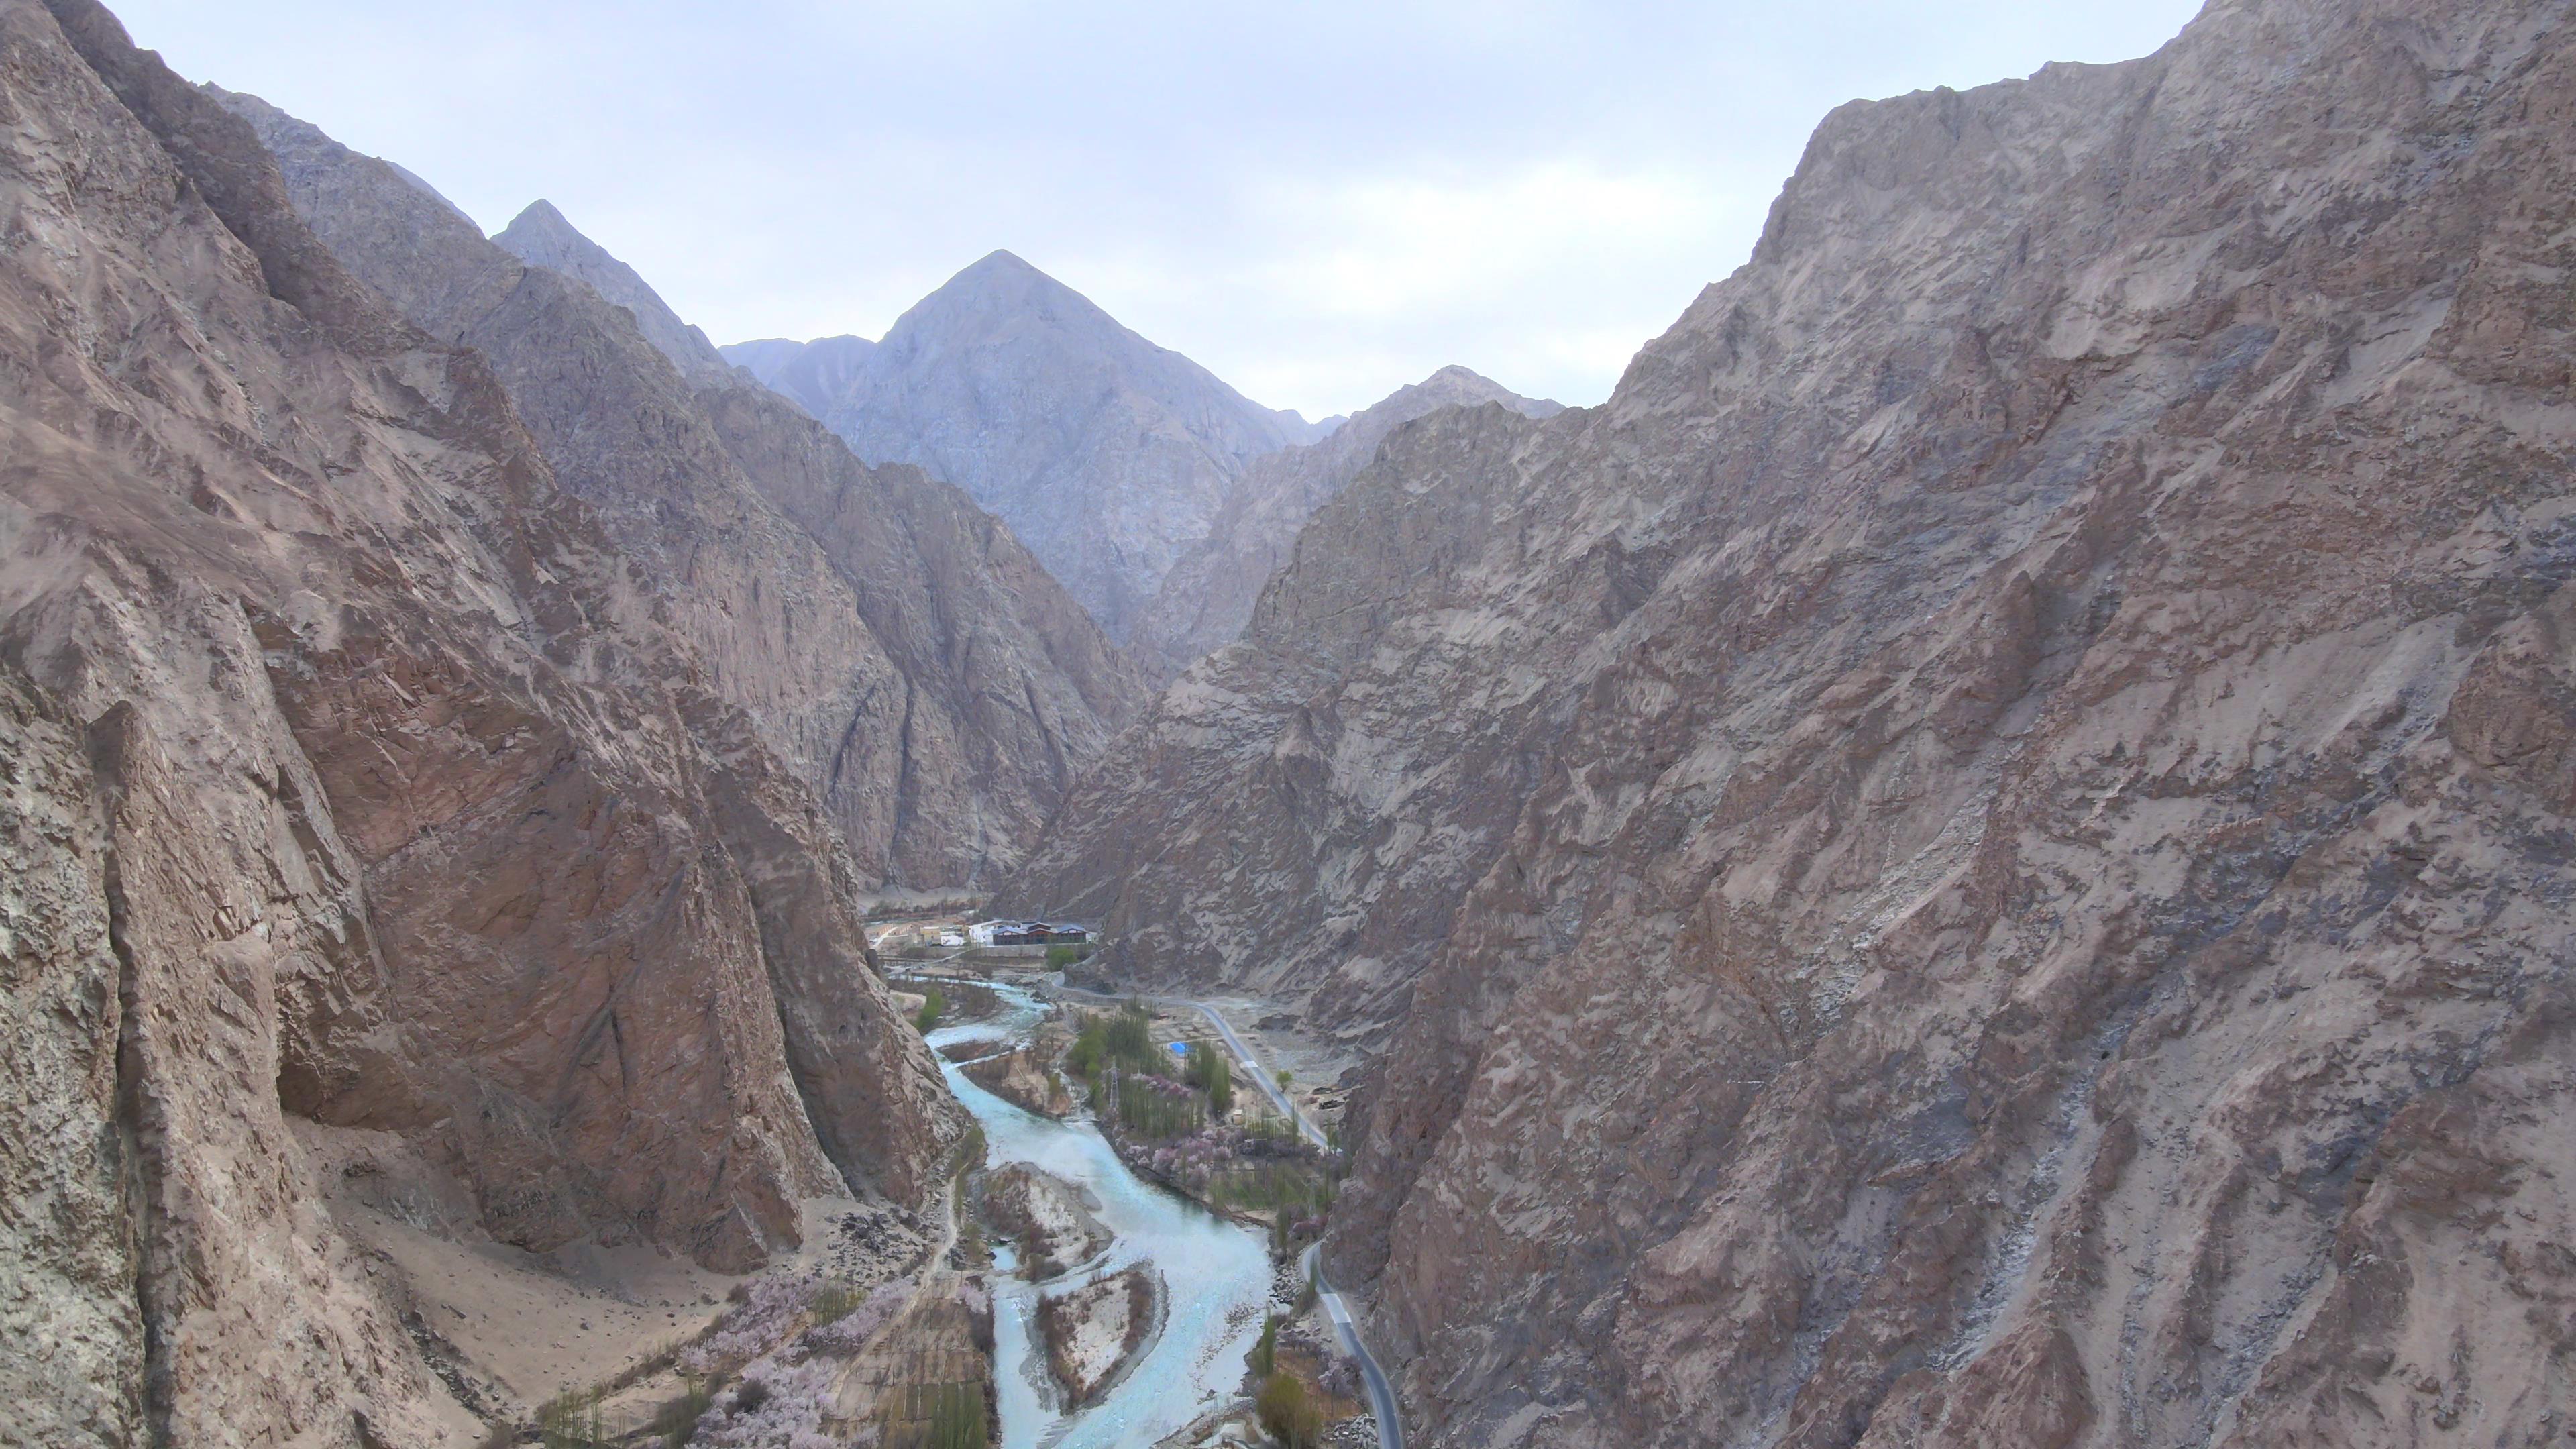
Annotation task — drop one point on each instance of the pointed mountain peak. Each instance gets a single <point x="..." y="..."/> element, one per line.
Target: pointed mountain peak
<point x="1454" y="385"/>
<point x="1002" y="260"/>
<point x="1006" y="279"/>
<point x="540" y="218"/>
<point x="542" y="237"/>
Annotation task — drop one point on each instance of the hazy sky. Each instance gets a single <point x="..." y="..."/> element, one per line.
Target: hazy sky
<point x="1318" y="201"/>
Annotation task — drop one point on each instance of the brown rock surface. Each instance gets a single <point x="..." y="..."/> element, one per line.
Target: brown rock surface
<point x="1980" y="857"/>
<point x="350" y="780"/>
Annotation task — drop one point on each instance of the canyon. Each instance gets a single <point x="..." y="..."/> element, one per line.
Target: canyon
<point x="1980" y="856"/>
<point x="1976" y="857"/>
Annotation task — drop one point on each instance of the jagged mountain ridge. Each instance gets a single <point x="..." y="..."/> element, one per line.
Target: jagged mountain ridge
<point x="1976" y="858"/>
<point x="930" y="682"/>
<point x="1108" y="455"/>
<point x="357" y="808"/>
<point x="813" y="375"/>
<point x="1208" y="596"/>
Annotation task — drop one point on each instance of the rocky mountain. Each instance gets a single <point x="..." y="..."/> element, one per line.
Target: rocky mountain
<point x="367" y="829"/>
<point x="540" y="237"/>
<point x="1978" y="857"/>
<point x="896" y="647"/>
<point x="1207" y="597"/>
<point x="1108" y="455"/>
<point x="814" y="375"/>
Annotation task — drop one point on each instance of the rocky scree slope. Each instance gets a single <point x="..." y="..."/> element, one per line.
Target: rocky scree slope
<point x="1993" y="829"/>
<point x="349" y="785"/>
<point x="1208" y="596"/>
<point x="1107" y="455"/>
<point x="910" y="661"/>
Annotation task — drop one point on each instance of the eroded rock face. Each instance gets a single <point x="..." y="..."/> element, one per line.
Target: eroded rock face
<point x="69" y="1298"/>
<point x="1208" y="596"/>
<point x="350" y="776"/>
<point x="898" y="649"/>
<point x="1108" y="455"/>
<point x="1979" y="857"/>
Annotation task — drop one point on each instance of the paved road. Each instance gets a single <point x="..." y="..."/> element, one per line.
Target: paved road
<point x="1261" y="1077"/>
<point x="1390" y="1430"/>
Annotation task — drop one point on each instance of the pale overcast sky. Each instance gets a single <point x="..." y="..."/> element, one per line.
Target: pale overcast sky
<point x="1318" y="201"/>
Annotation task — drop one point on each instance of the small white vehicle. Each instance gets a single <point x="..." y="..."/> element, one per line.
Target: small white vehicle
<point x="951" y="938"/>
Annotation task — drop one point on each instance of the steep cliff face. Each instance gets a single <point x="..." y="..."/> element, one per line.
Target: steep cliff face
<point x="350" y="783"/>
<point x="1207" y="597"/>
<point x="1108" y="455"/>
<point x="933" y="687"/>
<point x="1998" y="815"/>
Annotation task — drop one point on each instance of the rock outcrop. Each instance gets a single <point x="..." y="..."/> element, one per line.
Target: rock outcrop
<point x="350" y="780"/>
<point x="889" y="641"/>
<point x="1978" y="857"/>
<point x="1107" y="455"/>
<point x="1208" y="596"/>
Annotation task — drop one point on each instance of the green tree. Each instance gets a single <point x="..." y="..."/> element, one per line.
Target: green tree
<point x="1083" y="1057"/>
<point x="1129" y="1037"/>
<point x="934" y="1005"/>
<point x="1220" y="1085"/>
<point x="1290" y="1413"/>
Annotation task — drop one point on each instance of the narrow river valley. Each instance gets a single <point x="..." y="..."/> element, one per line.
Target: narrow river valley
<point x="1215" y="1275"/>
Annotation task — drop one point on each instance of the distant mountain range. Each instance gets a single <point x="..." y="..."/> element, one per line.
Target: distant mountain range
<point x="1208" y="595"/>
<point x="1109" y="456"/>
<point x="1161" y="497"/>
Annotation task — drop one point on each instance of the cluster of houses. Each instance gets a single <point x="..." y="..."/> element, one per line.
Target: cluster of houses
<point x="1023" y="933"/>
